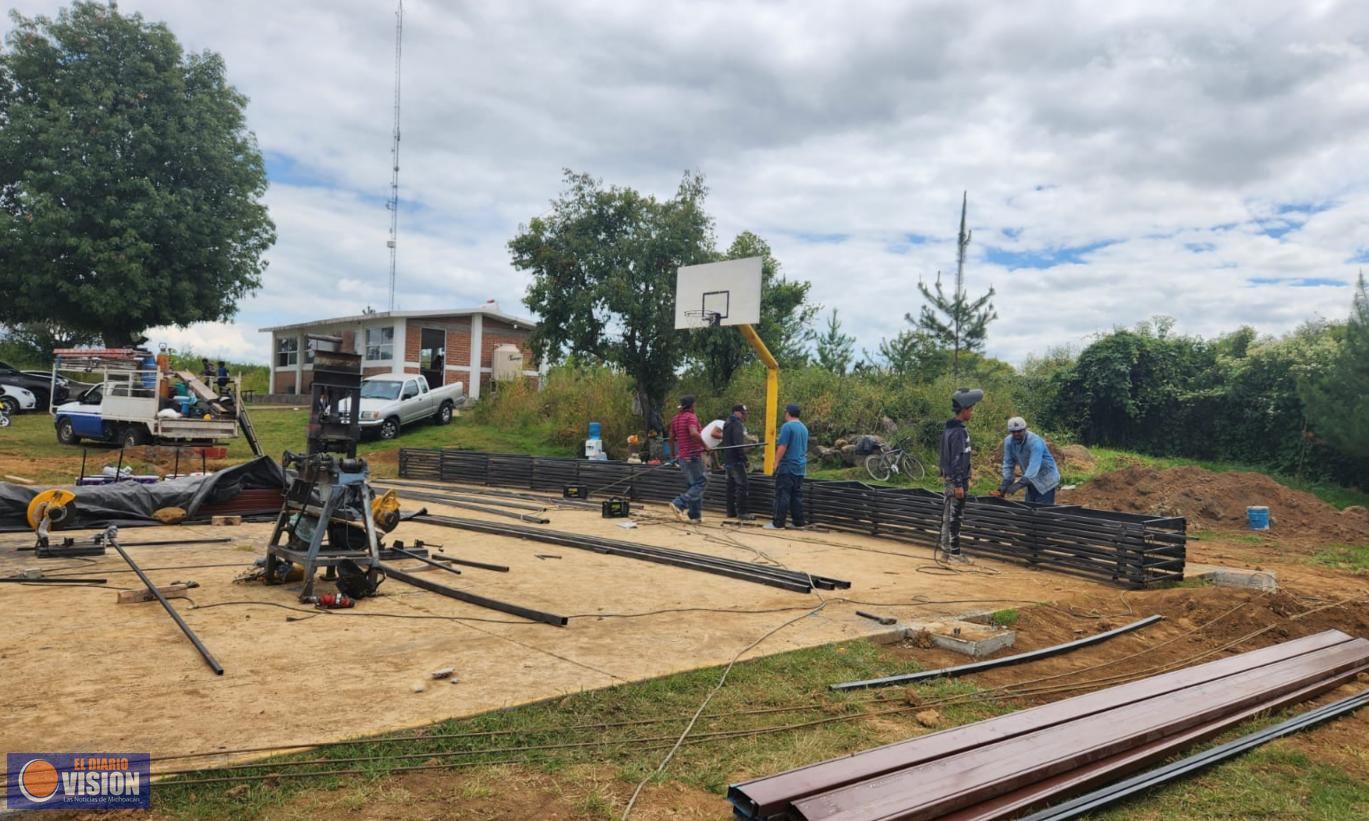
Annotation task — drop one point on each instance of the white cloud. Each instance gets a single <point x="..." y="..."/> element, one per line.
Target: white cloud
<point x="1173" y="131"/>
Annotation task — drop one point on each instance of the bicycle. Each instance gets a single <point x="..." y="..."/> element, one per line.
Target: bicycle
<point x="890" y="461"/>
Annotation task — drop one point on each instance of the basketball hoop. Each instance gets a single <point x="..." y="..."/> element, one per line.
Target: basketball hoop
<point x="705" y="319"/>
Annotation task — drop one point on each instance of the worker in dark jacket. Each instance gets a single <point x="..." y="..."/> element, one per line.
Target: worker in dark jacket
<point x="954" y="467"/>
<point x="734" y="463"/>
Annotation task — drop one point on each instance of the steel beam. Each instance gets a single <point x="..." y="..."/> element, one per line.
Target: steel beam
<point x="965" y="669"/>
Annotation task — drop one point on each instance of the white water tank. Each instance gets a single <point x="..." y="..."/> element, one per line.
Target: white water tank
<point x="506" y="362"/>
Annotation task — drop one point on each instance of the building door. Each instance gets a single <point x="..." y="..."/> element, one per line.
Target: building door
<point x="432" y="356"/>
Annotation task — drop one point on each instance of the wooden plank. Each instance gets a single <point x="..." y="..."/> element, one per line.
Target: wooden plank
<point x="764" y="797"/>
<point x="951" y="783"/>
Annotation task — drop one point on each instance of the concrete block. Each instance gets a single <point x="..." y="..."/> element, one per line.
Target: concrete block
<point x="964" y="637"/>
<point x="1233" y="577"/>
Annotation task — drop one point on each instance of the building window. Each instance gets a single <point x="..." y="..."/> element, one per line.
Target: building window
<point x="287" y="352"/>
<point x="380" y="344"/>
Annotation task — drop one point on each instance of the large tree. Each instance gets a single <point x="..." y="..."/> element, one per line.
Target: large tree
<point x="785" y="326"/>
<point x="603" y="266"/>
<point x="130" y="186"/>
<point x="954" y="320"/>
<point x="1338" y="402"/>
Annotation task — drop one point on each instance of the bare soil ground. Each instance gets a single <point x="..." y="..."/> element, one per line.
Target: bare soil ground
<point x="1211" y="500"/>
<point x="298" y="677"/>
<point x="85" y="672"/>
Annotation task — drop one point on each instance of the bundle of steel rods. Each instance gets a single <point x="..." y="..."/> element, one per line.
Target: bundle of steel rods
<point x="1001" y="766"/>
<point x="1130" y="549"/>
<point x="795" y="580"/>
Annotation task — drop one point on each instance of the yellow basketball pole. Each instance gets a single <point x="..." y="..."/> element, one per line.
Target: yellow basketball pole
<point x="772" y="392"/>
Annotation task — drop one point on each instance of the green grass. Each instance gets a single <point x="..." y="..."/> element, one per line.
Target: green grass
<point x="1352" y="557"/>
<point x="31" y="437"/>
<point x="1005" y="618"/>
<point x="781" y="680"/>
<point x="1272" y="782"/>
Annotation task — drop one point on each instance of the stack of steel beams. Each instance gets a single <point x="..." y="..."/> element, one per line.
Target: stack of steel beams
<point x="1004" y="765"/>
<point x="795" y="580"/>
<point x="1130" y="549"/>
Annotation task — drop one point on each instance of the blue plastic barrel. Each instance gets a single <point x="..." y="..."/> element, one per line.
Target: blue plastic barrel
<point x="1258" y="516"/>
<point x="594" y="430"/>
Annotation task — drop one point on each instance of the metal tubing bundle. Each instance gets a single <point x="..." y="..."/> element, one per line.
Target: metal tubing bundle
<point x="795" y="580"/>
<point x="1134" y="550"/>
<point x="1003" y="765"/>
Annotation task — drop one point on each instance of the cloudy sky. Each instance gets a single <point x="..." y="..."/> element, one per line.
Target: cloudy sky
<point x="1203" y="160"/>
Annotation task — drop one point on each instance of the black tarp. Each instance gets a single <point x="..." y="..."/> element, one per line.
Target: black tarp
<point x="126" y="502"/>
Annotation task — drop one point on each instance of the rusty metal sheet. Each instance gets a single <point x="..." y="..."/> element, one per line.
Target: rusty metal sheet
<point x="772" y="795"/>
<point x="950" y="783"/>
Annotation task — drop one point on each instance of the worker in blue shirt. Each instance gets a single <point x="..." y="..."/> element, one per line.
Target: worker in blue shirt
<point x="791" y="463"/>
<point x="1024" y="449"/>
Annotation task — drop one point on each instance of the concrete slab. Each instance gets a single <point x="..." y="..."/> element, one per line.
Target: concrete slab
<point x="964" y="637"/>
<point x="1233" y="576"/>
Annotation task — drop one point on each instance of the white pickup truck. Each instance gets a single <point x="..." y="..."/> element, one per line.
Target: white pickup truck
<point x="390" y="401"/>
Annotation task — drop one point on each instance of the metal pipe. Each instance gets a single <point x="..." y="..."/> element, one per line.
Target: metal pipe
<point x="410" y="554"/>
<point x="472" y="598"/>
<point x="498" y="568"/>
<point x="51" y="580"/>
<point x="964" y="669"/>
<point x="209" y="659"/>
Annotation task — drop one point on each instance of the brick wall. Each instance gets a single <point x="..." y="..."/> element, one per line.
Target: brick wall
<point x="496" y="333"/>
<point x="285" y="380"/>
<point x="458" y="339"/>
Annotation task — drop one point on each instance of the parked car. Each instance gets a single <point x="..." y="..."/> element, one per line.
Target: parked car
<point x="390" y="401"/>
<point x="15" y="400"/>
<point x="39" y="386"/>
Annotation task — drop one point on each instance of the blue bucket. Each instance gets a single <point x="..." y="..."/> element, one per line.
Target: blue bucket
<point x="1258" y="517"/>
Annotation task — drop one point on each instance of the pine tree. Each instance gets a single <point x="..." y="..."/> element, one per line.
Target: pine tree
<point x="956" y="321"/>
<point x="835" y="350"/>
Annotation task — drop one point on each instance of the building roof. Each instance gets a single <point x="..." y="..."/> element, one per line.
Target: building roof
<point x="493" y="313"/>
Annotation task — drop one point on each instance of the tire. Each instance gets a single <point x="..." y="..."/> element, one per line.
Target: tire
<point x="66" y="434"/>
<point x="4" y="420"/>
<point x="133" y="436"/>
<point x="912" y="468"/>
<point x="877" y="467"/>
<point x="10" y="405"/>
<point x="389" y="429"/>
<point x="444" y="414"/>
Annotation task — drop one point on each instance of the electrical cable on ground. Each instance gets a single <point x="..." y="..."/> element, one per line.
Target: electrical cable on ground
<point x="627" y="811"/>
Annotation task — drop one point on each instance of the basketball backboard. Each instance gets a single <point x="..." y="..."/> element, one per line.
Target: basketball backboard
<point x="719" y="293"/>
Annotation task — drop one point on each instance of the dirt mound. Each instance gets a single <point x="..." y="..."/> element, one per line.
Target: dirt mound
<point x="1217" y="500"/>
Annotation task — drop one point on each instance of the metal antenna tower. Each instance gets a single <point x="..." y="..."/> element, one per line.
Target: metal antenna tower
<point x="393" y="204"/>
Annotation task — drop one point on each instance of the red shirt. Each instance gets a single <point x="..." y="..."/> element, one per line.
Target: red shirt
<point x="685" y="445"/>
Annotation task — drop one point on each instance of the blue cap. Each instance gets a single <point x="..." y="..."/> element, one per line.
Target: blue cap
<point x="792" y="409"/>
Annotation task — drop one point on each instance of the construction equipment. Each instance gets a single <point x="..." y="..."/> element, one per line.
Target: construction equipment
<point x="330" y="516"/>
<point x="50" y="510"/>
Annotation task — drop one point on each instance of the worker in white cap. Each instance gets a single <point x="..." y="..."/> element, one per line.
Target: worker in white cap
<point x="1027" y="451"/>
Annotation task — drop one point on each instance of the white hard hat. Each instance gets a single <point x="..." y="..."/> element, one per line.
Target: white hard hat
<point x="1016" y="423"/>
